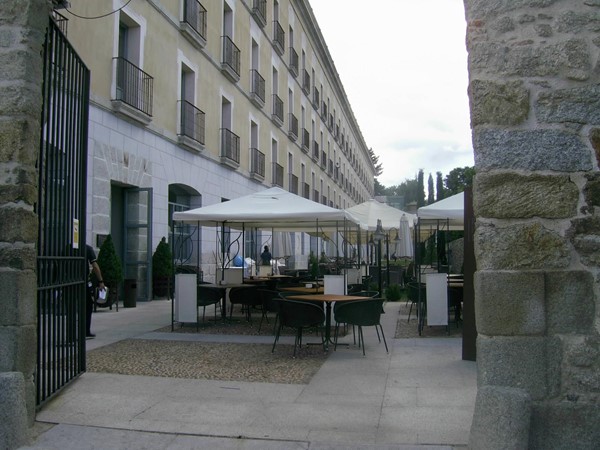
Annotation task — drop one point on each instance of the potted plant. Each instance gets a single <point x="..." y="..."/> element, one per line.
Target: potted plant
<point x="112" y="271"/>
<point x="393" y="293"/>
<point x="162" y="268"/>
<point x="313" y="266"/>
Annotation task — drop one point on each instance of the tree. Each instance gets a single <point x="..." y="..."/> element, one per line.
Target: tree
<point x="430" y="196"/>
<point x="376" y="164"/>
<point x="439" y="186"/>
<point x="380" y="189"/>
<point x="458" y="179"/>
<point x="420" y="189"/>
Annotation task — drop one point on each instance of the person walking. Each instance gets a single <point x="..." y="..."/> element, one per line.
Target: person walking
<point x="265" y="256"/>
<point x="89" y="306"/>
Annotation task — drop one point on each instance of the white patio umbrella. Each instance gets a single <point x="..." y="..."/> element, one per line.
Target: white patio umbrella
<point x="404" y="246"/>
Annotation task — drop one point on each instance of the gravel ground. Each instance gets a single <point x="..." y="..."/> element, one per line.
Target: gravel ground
<point x="209" y="361"/>
<point x="230" y="361"/>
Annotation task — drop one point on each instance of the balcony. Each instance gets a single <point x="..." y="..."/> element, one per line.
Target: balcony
<point x="192" y="127"/>
<point x="293" y="184"/>
<point x="257" y="88"/>
<point x="277" y="114"/>
<point x="316" y="98"/>
<point x="230" y="62"/>
<point x="134" y="89"/>
<point x="193" y="25"/>
<point x="257" y="164"/>
<point x="316" y="196"/>
<point x="278" y="38"/>
<point x="292" y="127"/>
<point x="277" y="175"/>
<point x="306" y="191"/>
<point x="305" y="140"/>
<point x="230" y="148"/>
<point x="305" y="82"/>
<point x="316" y="153"/>
<point x="293" y="62"/>
<point x="259" y="12"/>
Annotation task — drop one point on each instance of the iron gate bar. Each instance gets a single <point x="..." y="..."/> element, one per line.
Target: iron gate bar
<point x="61" y="265"/>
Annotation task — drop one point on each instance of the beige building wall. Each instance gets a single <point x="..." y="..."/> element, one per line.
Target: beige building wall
<point x="133" y="149"/>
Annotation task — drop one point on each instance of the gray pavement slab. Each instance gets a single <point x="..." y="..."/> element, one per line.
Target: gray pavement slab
<point x="419" y="395"/>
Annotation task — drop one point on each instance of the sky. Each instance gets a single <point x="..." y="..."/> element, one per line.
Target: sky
<point x="403" y="64"/>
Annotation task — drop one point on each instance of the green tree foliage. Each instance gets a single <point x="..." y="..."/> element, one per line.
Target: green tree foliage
<point x="376" y="164"/>
<point x="439" y="187"/>
<point x="420" y="189"/>
<point x="430" y="196"/>
<point x="458" y="179"/>
<point x="162" y="260"/>
<point x="110" y="264"/>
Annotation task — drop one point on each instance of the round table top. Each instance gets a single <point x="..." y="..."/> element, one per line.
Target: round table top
<point x="327" y="297"/>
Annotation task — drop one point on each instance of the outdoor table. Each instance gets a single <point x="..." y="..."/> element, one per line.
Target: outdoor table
<point x="304" y="289"/>
<point x="223" y="288"/>
<point x="328" y="299"/>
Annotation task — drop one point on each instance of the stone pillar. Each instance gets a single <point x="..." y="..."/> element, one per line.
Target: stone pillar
<point x="535" y="115"/>
<point x="22" y="29"/>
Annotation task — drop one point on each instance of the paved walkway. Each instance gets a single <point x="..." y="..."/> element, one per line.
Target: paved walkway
<point x="421" y="395"/>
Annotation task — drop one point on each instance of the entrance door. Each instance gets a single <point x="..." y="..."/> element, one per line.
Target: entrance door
<point x="137" y="240"/>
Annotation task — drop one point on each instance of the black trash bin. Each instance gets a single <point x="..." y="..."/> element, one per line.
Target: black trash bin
<point x="130" y="293"/>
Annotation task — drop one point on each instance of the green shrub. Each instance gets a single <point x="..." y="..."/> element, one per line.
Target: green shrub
<point x="393" y="293"/>
<point x="162" y="260"/>
<point x="110" y="264"/>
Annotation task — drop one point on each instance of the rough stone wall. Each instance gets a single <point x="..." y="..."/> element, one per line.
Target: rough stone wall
<point x="534" y="89"/>
<point x="22" y="27"/>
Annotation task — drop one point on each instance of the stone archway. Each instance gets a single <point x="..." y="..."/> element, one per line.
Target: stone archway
<point x="535" y="116"/>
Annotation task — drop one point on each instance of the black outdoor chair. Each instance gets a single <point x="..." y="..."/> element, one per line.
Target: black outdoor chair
<point x="247" y="297"/>
<point x="412" y="293"/>
<point x="206" y="296"/>
<point x="299" y="315"/>
<point x="270" y="304"/>
<point x="362" y="313"/>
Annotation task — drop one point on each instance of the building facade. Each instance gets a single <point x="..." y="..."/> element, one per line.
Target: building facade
<point x="195" y="103"/>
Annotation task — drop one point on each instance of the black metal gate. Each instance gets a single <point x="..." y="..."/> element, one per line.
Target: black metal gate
<point x="61" y="264"/>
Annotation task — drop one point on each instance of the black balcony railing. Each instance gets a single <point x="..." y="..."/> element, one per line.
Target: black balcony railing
<point x="305" y="81"/>
<point x="316" y="196"/>
<point x="231" y="55"/>
<point x="305" y="139"/>
<point x="330" y="167"/>
<point x="331" y="122"/>
<point x="293" y="62"/>
<point x="324" y="200"/>
<point x="306" y="190"/>
<point x="293" y="184"/>
<point x="323" y="159"/>
<point x="292" y="126"/>
<point x="194" y="14"/>
<point x="316" y="98"/>
<point x="192" y="122"/>
<point x="323" y="110"/>
<point x="277" y="175"/>
<point x="134" y="86"/>
<point x="315" y="150"/>
<point x="230" y="145"/>
<point x="277" y="109"/>
<point x="278" y="37"/>
<point x="257" y="87"/>
<point x="257" y="162"/>
<point x="259" y="11"/>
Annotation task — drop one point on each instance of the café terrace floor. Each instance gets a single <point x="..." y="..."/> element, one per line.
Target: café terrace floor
<point x="222" y="388"/>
